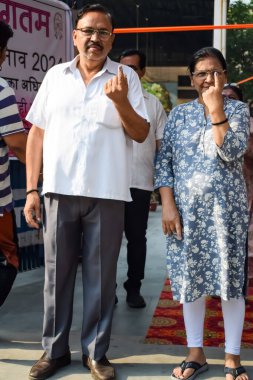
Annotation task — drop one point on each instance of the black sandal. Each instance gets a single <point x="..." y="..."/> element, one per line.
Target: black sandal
<point x="198" y="368"/>
<point x="235" y="372"/>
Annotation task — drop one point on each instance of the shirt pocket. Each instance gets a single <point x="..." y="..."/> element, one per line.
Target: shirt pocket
<point x="106" y="114"/>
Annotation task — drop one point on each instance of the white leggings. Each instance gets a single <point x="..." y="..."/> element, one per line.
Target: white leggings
<point x="233" y="316"/>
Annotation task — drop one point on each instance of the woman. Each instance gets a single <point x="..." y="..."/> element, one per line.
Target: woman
<point x="204" y="201"/>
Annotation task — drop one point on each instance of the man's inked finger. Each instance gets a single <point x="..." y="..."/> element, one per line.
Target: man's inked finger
<point x="120" y="73"/>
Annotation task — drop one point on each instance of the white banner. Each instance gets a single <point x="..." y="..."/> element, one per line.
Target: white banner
<point x="42" y="38"/>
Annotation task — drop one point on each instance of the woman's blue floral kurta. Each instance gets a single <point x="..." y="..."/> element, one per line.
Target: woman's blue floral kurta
<point x="210" y="194"/>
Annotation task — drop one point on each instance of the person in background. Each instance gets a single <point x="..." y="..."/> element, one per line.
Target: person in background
<point x="232" y="91"/>
<point x="12" y="137"/>
<point x="85" y="116"/>
<point x="137" y="211"/>
<point x="205" y="210"/>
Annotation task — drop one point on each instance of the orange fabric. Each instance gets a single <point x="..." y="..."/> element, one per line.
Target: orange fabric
<point x="8" y="239"/>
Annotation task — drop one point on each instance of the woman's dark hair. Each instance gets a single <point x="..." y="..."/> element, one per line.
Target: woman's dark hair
<point x="5" y="33"/>
<point x="236" y="90"/>
<point x="94" y="8"/>
<point x="205" y="53"/>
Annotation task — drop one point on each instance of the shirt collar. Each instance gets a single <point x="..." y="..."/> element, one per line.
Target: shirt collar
<point x="145" y="93"/>
<point x="110" y="66"/>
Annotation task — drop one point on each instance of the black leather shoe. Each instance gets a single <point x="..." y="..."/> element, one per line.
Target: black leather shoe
<point x="134" y="299"/>
<point x="46" y="367"/>
<point x="100" y="369"/>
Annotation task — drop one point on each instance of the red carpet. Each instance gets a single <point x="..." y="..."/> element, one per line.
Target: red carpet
<point x="167" y="325"/>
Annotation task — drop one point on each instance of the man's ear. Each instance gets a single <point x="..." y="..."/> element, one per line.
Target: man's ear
<point x="74" y="37"/>
<point x="142" y="72"/>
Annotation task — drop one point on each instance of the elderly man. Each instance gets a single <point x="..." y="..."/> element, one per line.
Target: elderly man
<point x="85" y="116"/>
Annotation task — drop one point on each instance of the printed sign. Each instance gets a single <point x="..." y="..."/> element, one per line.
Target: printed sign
<point x="42" y="38"/>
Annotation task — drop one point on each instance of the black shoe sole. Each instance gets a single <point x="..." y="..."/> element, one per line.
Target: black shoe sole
<point x="133" y="306"/>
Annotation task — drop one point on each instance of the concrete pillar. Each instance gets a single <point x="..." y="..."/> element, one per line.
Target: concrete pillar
<point x="220" y="18"/>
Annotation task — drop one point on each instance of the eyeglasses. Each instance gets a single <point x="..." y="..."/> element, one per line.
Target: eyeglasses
<point x="231" y="84"/>
<point x="103" y="34"/>
<point x="204" y="74"/>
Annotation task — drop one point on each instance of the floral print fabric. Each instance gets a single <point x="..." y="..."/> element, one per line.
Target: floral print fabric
<point x="210" y="194"/>
<point x="248" y="173"/>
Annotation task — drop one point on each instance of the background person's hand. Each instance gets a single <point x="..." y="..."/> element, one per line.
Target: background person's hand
<point x="32" y="210"/>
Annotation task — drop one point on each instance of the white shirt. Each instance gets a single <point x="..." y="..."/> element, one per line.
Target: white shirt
<point x="144" y="153"/>
<point x="85" y="150"/>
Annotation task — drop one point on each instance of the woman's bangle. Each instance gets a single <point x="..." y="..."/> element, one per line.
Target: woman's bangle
<point x="31" y="191"/>
<point x="221" y="122"/>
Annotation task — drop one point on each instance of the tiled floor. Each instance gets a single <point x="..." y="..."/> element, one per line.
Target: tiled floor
<point x="21" y="323"/>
